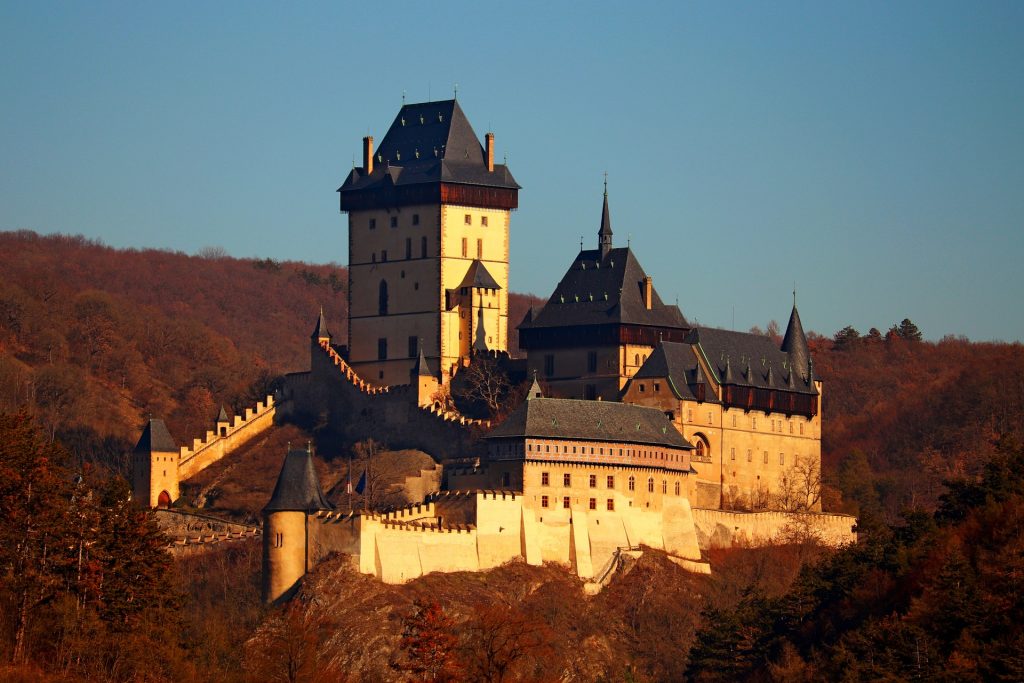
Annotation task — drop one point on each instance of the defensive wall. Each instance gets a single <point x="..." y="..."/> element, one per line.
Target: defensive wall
<point x="332" y="393"/>
<point x="190" y="533"/>
<point x="225" y="438"/>
<point x="727" y="528"/>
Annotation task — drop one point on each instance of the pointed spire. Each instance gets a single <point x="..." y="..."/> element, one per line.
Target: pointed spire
<point x="535" y="390"/>
<point x="794" y="344"/>
<point x="771" y="375"/>
<point x="604" y="235"/>
<point x="727" y="377"/>
<point x="791" y="383"/>
<point x="480" y="343"/>
<point x="421" y="369"/>
<point x="321" y="331"/>
<point x="223" y="417"/>
<point x="749" y="373"/>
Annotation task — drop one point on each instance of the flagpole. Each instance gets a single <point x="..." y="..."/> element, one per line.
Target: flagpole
<point x="349" y="487"/>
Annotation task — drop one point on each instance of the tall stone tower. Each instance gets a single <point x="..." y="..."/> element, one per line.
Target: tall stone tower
<point x="155" y="466"/>
<point x="428" y="225"/>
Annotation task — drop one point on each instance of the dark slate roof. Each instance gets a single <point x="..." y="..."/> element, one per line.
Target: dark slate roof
<point x="559" y="418"/>
<point x="749" y="357"/>
<point x="421" y="369"/>
<point x="795" y="343"/>
<point x="155" y="438"/>
<point x="298" y="487"/>
<point x="479" y="276"/>
<point x="321" y="327"/>
<point x="223" y="416"/>
<point x="430" y="142"/>
<point x="605" y="290"/>
<point x="677" y="363"/>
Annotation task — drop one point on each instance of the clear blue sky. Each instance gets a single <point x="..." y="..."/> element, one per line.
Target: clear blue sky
<point x="871" y="152"/>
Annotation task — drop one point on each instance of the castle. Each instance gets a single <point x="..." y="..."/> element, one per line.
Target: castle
<point x="640" y="429"/>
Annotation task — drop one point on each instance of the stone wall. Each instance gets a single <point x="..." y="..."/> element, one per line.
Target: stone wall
<point x="724" y="528"/>
<point x="217" y="444"/>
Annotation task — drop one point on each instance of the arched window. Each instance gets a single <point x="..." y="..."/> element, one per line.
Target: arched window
<point x="632" y="483"/>
<point x="700" y="449"/>
<point x="382" y="298"/>
<point x="650" y="485"/>
<point x="636" y="359"/>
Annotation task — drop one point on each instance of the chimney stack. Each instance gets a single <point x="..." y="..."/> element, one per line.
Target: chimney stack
<point x="490" y="152"/>
<point x="368" y="154"/>
<point x="648" y="292"/>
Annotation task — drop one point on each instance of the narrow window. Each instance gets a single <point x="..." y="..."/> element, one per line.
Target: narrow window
<point x="733" y="420"/>
<point x="479" y="249"/>
<point x="650" y="485"/>
<point x="465" y="247"/>
<point x="750" y="455"/>
<point x="382" y="298"/>
<point x="700" y="450"/>
<point x="382" y="348"/>
<point x="611" y="503"/>
<point x="782" y="458"/>
<point x="565" y="502"/>
<point x="801" y="429"/>
<point x="394" y="221"/>
<point x="593" y="481"/>
<point x="611" y="481"/>
<point x="483" y="221"/>
<point x="384" y="255"/>
<point x="753" y="424"/>
<point x="408" y="247"/>
<point x="766" y="457"/>
<point x="373" y="224"/>
<point x="423" y="247"/>
<point x="543" y="478"/>
<point x="415" y="219"/>
<point x="677" y="488"/>
<point x="732" y="453"/>
<point x="543" y="501"/>
<point x="664" y="487"/>
<point x="657" y="387"/>
<point x="566" y="480"/>
<point x="632" y="483"/>
<point x="469" y="219"/>
<point x="593" y="503"/>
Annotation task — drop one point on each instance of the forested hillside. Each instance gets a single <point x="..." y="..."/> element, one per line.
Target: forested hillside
<point x="95" y="339"/>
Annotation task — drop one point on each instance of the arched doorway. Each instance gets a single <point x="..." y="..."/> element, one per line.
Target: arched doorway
<point x="163" y="500"/>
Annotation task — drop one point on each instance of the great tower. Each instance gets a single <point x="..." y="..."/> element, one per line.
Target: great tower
<point x="428" y="224"/>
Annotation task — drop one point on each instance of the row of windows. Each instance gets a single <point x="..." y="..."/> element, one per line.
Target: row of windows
<point x="382" y="347"/>
<point x="545" y="502"/>
<point x="469" y="220"/>
<point x="600" y="450"/>
<point x="394" y="221"/>
<point x="764" y="455"/>
<point x="609" y="482"/>
<point x="777" y="426"/>
<point x="479" y="248"/>
<point x="408" y="251"/>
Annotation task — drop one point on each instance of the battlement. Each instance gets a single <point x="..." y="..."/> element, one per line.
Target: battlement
<point x="238" y="423"/>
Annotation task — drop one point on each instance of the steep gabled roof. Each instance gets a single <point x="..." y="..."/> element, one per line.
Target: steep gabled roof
<point x="677" y="363"/>
<point x="155" y="438"/>
<point x="430" y="142"/>
<point x="763" y="364"/>
<point x="605" y="290"/>
<point x="298" y="487"/>
<point x="559" y="418"/>
<point x="421" y="369"/>
<point x="223" y="415"/>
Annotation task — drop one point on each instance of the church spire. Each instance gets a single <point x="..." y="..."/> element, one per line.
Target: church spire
<point x="604" y="235"/>
<point x="321" y="331"/>
<point x="794" y="344"/>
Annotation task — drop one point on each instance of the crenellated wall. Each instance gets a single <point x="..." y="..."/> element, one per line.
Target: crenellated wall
<point x="332" y="392"/>
<point x="725" y="528"/>
<point x="216" y="444"/>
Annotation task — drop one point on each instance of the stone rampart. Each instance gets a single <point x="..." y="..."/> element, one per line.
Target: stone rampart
<point x="727" y="528"/>
<point x="333" y="393"/>
<point x="219" y="443"/>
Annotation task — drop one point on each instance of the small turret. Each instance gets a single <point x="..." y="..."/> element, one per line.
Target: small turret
<point x="425" y="381"/>
<point x="286" y="524"/>
<point x="727" y="376"/>
<point x="535" y="390"/>
<point x="155" y="466"/>
<point x="794" y="344"/>
<point x="320" y="332"/>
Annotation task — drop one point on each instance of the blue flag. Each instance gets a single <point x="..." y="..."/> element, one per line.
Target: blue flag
<point x="361" y="486"/>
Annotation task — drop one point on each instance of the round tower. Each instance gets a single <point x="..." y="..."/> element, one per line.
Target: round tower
<point x="286" y="528"/>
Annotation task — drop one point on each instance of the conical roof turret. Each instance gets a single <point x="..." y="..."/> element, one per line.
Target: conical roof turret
<point x="794" y="344"/>
<point x="421" y="369"/>
<point x="321" y="331"/>
<point x="298" y="487"/>
<point x="535" y="390"/>
<point x="223" y="416"/>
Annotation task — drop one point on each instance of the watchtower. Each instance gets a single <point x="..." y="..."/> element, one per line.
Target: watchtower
<point x="155" y="466"/>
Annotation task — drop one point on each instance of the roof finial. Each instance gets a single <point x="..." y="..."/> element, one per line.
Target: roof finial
<point x="403" y="98"/>
<point x="456" y="88"/>
<point x="606" y="183"/>
<point x="581" y="242"/>
<point x="794" y="293"/>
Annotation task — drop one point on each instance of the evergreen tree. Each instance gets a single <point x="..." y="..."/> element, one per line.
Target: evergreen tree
<point x="846" y="338"/>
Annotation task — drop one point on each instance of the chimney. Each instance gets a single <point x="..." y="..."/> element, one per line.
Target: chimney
<point x="368" y="154"/>
<point x="490" y="152"/>
<point x="648" y="292"/>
